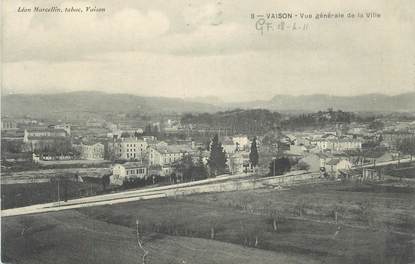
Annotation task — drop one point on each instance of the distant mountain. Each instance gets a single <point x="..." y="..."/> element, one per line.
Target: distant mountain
<point x="39" y="105"/>
<point x="213" y="100"/>
<point x="43" y="105"/>
<point x="369" y="102"/>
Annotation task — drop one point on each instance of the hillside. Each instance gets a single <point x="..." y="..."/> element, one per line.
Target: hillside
<point x="369" y="102"/>
<point x="72" y="237"/>
<point x="96" y="102"/>
<point x="42" y="105"/>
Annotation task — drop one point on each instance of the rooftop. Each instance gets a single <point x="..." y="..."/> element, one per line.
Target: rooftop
<point x="173" y="148"/>
<point x="130" y="165"/>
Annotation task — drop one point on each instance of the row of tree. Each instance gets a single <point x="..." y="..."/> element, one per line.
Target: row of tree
<point x="252" y="121"/>
<point x="216" y="164"/>
<point x="188" y="170"/>
<point x="406" y="146"/>
<point x="323" y="118"/>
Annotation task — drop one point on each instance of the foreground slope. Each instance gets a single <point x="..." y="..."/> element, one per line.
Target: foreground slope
<point x="71" y="237"/>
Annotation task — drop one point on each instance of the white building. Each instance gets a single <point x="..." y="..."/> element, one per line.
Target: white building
<point x="336" y="166"/>
<point x="66" y="127"/>
<point x="242" y="142"/>
<point x="129" y="148"/>
<point x="296" y="150"/>
<point x="238" y="162"/>
<point x="334" y="143"/>
<point x="129" y="170"/>
<point x="167" y="154"/>
<point x="229" y="146"/>
<point x="91" y="151"/>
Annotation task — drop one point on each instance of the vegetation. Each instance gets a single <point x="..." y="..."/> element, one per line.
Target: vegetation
<point x="255" y="121"/>
<point x="332" y="223"/>
<point x="322" y="118"/>
<point x="11" y="146"/>
<point x="217" y="158"/>
<point x="141" y="182"/>
<point x="24" y="194"/>
<point x="376" y="125"/>
<point x="189" y="170"/>
<point x="321" y="223"/>
<point x="279" y="166"/>
<point x="407" y="146"/>
<point x="303" y="166"/>
<point x="253" y="154"/>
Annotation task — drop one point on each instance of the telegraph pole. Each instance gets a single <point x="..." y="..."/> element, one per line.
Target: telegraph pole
<point x="273" y="165"/>
<point x="59" y="197"/>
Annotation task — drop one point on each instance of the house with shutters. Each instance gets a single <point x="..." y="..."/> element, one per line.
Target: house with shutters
<point x="129" y="170"/>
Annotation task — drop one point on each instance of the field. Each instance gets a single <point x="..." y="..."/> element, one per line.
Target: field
<point x="29" y="176"/>
<point x="24" y="194"/>
<point x="321" y="223"/>
<point x="408" y="172"/>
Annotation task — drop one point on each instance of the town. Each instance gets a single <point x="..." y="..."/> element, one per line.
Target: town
<point x="203" y="132"/>
<point x="131" y="150"/>
<point x="90" y="159"/>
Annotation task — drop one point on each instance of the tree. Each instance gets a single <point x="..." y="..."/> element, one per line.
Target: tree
<point x="200" y="171"/>
<point x="279" y="166"/>
<point x="303" y="165"/>
<point x="217" y="158"/>
<point x="105" y="181"/>
<point x="184" y="167"/>
<point x="406" y="146"/>
<point x="148" y="130"/>
<point x="376" y="125"/>
<point x="140" y="243"/>
<point x="125" y="135"/>
<point x="253" y="155"/>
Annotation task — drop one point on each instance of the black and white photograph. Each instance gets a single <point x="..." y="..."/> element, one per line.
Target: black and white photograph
<point x="207" y="131"/>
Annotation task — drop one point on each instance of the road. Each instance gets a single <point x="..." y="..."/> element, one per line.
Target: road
<point x="384" y="163"/>
<point x="218" y="184"/>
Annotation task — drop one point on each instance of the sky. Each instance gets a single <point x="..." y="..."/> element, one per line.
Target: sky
<point x="189" y="48"/>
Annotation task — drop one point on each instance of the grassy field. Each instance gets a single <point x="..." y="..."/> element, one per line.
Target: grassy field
<point x="375" y="223"/>
<point x="408" y="172"/>
<point x="71" y="237"/>
<point x="23" y="194"/>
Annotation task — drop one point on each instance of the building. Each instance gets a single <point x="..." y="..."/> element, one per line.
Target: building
<point x="46" y="139"/>
<point x="118" y="133"/>
<point x="66" y="127"/>
<point x="337" y="166"/>
<point x="43" y="132"/>
<point x="239" y="162"/>
<point x="242" y="142"/>
<point x="298" y="150"/>
<point x="167" y="154"/>
<point x="334" y="143"/>
<point x="157" y="170"/>
<point x="129" y="148"/>
<point x="229" y="146"/>
<point x="91" y="151"/>
<point x="129" y="170"/>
